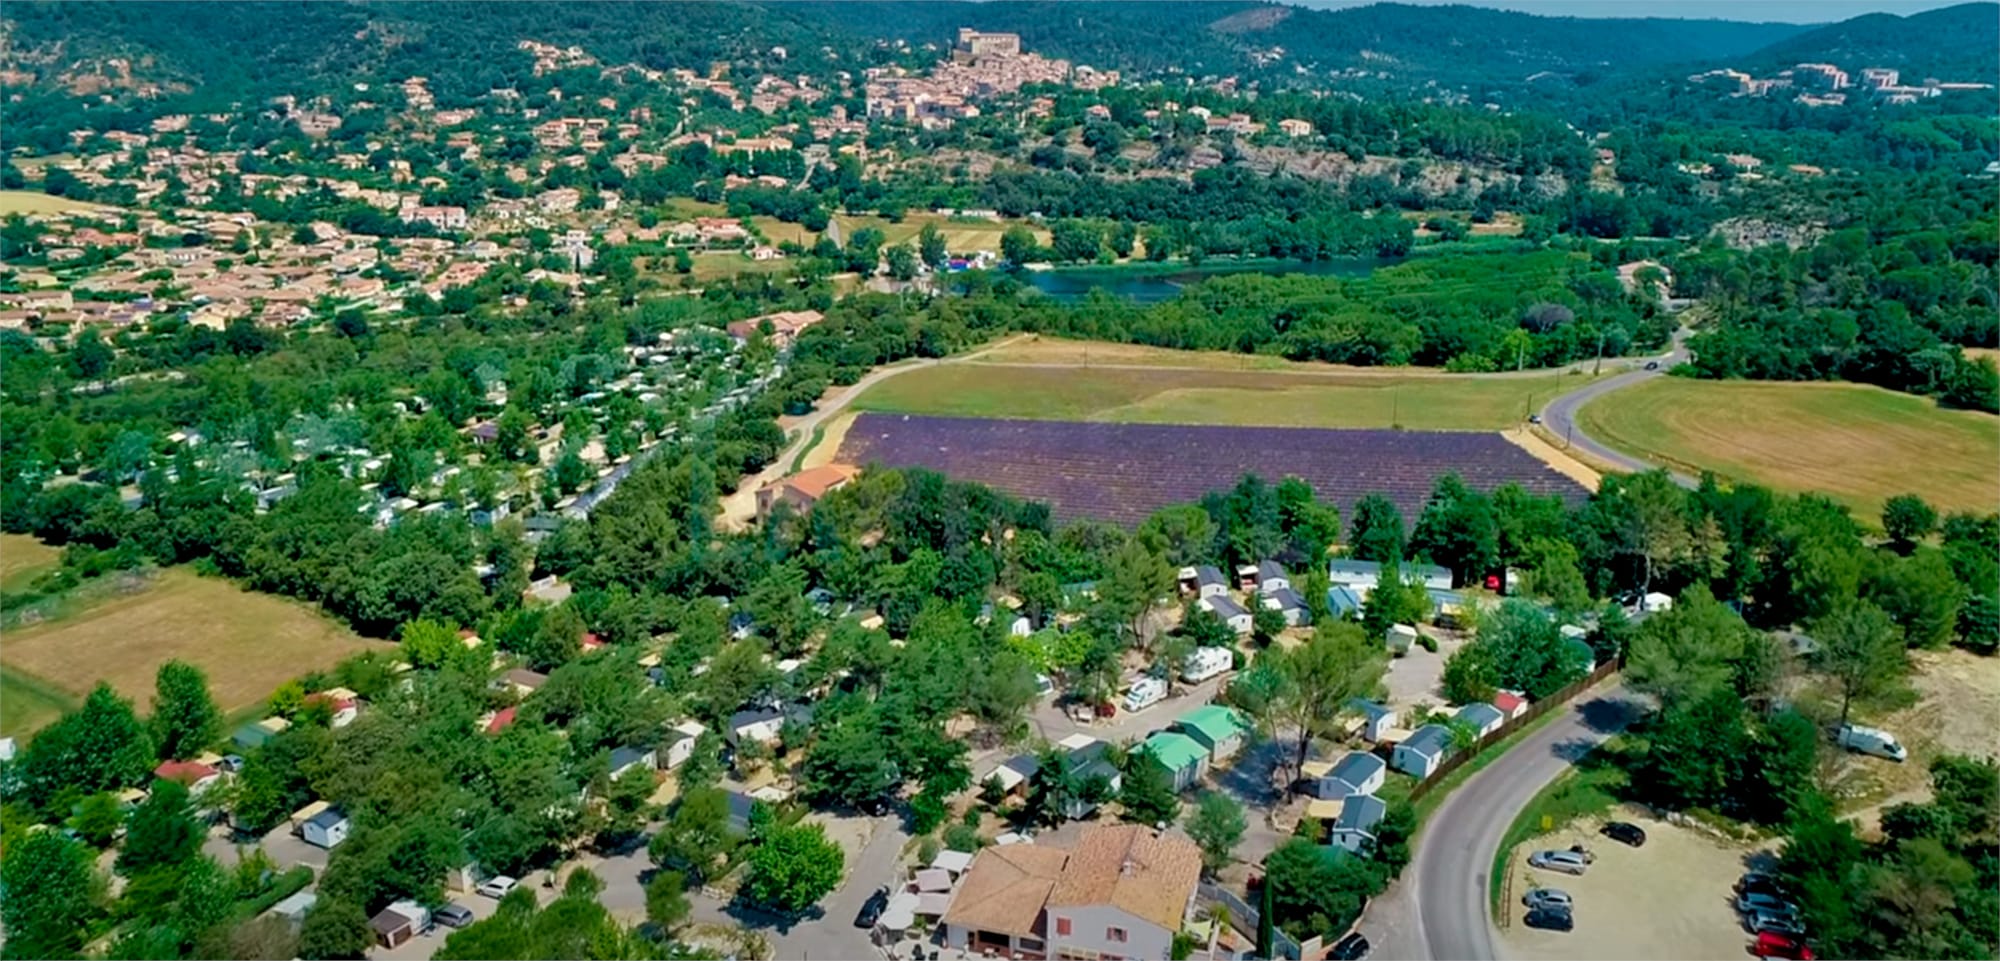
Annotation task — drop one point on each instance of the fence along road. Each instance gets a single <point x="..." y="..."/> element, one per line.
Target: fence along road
<point x="1450" y="875"/>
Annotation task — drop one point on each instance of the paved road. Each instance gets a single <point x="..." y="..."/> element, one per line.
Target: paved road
<point x="1559" y="416"/>
<point x="1439" y="907"/>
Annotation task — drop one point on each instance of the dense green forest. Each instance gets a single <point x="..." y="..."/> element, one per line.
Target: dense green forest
<point x="1901" y="281"/>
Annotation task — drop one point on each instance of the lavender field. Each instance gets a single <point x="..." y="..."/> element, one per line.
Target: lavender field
<point x="1124" y="472"/>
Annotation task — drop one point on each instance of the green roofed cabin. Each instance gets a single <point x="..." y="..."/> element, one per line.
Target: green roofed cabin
<point x="1184" y="757"/>
<point x="1219" y="730"/>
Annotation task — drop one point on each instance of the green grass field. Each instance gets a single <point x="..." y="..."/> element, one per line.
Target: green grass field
<point x="22" y="559"/>
<point x="1858" y="444"/>
<point x="248" y="643"/>
<point x="1269" y="392"/>
<point x="35" y="202"/>
<point x="28" y="703"/>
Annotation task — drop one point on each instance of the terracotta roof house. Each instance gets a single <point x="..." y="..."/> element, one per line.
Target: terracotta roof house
<point x="805" y="488"/>
<point x="998" y="907"/>
<point x="198" y="777"/>
<point x="786" y="325"/>
<point x="1122" y="891"/>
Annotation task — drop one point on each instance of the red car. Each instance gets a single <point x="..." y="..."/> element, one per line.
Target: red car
<point x="1771" y="945"/>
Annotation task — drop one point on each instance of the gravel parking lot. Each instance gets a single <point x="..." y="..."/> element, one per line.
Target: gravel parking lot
<point x="1417" y="677"/>
<point x="1668" y="899"/>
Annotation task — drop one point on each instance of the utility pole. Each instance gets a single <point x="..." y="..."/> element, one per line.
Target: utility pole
<point x="1598" y="367"/>
<point x="1569" y="435"/>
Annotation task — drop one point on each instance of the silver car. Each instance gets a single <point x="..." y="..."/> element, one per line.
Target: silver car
<point x="1751" y="903"/>
<point x="1567" y="862"/>
<point x="1550" y="898"/>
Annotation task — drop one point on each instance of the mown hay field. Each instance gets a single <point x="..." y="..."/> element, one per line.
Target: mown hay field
<point x="1856" y="443"/>
<point x="249" y="643"/>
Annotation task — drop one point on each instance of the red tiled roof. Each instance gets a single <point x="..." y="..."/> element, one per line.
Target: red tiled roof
<point x="501" y="720"/>
<point x="186" y="772"/>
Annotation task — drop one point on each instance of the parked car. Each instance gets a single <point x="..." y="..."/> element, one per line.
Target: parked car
<point x="1567" y="862"/>
<point x="1534" y="418"/>
<point x="1769" y="945"/>
<point x="496" y="887"/>
<point x="1547" y="898"/>
<point x="1769" y="903"/>
<point x="1550" y="919"/>
<point x="1759" y="882"/>
<point x="876" y="806"/>
<point x="1777" y="922"/>
<point x="1871" y="740"/>
<point x="871" y="910"/>
<point x="453" y="916"/>
<point x="1625" y="832"/>
<point x="1350" y="948"/>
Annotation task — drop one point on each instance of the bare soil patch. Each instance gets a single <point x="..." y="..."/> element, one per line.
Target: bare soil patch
<point x="1667" y="900"/>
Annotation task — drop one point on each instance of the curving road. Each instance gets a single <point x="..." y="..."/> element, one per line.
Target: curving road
<point x="1439" y="907"/>
<point x="1559" y="416"/>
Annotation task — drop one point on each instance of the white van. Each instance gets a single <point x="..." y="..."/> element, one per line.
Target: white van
<point x="1871" y="740"/>
<point x="1145" y="692"/>
<point x="1206" y="662"/>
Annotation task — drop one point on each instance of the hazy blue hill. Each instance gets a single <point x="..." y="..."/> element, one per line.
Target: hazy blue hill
<point x="1475" y="43"/>
<point x="1955" y="43"/>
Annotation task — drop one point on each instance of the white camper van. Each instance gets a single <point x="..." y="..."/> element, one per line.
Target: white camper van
<point x="1145" y="692"/>
<point x="1871" y="740"/>
<point x="1206" y="662"/>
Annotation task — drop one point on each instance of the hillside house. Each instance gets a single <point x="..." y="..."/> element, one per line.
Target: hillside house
<point x="1219" y="730"/>
<point x="1483" y="718"/>
<point x="805" y="488"/>
<point x="786" y="325"/>
<point x="1203" y="581"/>
<point x="1376" y="718"/>
<point x="1122" y="891"/>
<point x="1231" y="612"/>
<point x="1362" y="576"/>
<point x="1184" y="758"/>
<point x="1360" y="814"/>
<point x="326" y="829"/>
<point x="399" y="922"/>
<point x="626" y="759"/>
<point x="1356" y="773"/>
<point x="1423" y="751"/>
<point x="680" y="743"/>
<point x="1271" y="577"/>
<point x="1288" y="604"/>
<point x="196" y="776"/>
<point x="760" y="725"/>
<point x="1089" y="758"/>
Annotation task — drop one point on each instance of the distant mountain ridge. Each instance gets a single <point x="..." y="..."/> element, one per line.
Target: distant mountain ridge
<point x="1960" y="42"/>
<point x="236" y="50"/>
